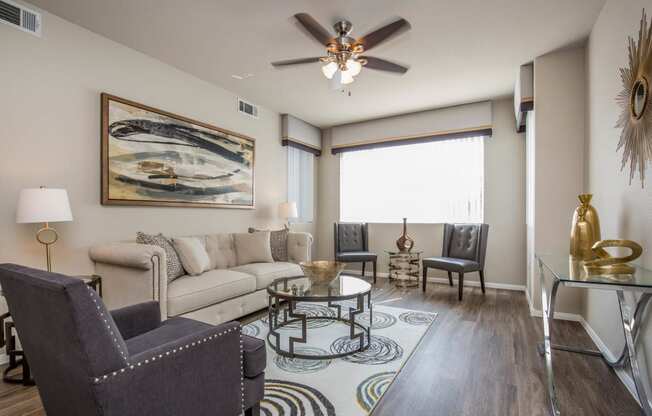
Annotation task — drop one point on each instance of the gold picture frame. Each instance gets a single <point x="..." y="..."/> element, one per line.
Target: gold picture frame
<point x="150" y="157"/>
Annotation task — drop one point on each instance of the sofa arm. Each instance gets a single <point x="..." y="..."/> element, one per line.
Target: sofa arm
<point x="299" y="247"/>
<point x="131" y="273"/>
<point x="200" y="374"/>
<point x="137" y="319"/>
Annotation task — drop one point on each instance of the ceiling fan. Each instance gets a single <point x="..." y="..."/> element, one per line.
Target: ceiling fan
<point x="344" y="55"/>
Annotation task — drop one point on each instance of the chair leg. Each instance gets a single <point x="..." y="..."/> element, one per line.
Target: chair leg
<point x="374" y="269"/>
<point x="425" y="277"/>
<point x="482" y="280"/>
<point x="450" y="278"/>
<point x="253" y="410"/>
<point x="460" y="283"/>
<point x="363" y="264"/>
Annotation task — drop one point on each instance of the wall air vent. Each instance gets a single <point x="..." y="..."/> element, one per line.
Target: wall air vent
<point x="20" y="17"/>
<point x="247" y="108"/>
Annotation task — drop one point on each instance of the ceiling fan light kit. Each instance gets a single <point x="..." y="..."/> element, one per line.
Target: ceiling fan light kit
<point x="344" y="60"/>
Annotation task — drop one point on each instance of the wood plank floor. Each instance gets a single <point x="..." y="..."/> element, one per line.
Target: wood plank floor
<point x="479" y="358"/>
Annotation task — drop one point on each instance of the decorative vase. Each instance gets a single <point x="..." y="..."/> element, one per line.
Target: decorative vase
<point x="585" y="230"/>
<point x="321" y="273"/>
<point x="404" y="242"/>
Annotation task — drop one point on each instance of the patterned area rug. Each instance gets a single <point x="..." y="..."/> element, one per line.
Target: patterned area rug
<point x="348" y="386"/>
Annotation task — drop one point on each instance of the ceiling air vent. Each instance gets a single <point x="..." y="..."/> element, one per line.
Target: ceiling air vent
<point x="247" y="108"/>
<point x="18" y="16"/>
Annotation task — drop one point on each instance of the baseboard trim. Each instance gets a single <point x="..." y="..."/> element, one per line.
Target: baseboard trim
<point x="622" y="374"/>
<point x="473" y="283"/>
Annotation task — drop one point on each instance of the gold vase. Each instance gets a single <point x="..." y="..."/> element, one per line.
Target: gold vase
<point x="585" y="230"/>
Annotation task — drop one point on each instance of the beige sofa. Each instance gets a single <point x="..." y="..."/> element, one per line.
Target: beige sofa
<point x="133" y="273"/>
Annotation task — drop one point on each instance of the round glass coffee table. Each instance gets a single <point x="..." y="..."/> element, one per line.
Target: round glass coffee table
<point x="345" y="293"/>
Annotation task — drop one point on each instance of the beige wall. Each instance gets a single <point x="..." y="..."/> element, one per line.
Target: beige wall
<point x="49" y="135"/>
<point x="559" y="91"/>
<point x="625" y="210"/>
<point x="504" y="206"/>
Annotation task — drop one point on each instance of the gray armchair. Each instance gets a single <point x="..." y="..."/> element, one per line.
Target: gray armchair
<point x="88" y="361"/>
<point x="352" y="244"/>
<point x="463" y="251"/>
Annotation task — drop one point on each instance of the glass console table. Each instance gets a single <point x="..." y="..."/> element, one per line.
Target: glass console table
<point x="567" y="272"/>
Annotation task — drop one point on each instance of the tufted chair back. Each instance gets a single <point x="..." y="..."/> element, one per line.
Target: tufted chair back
<point x="466" y="241"/>
<point x="66" y="332"/>
<point x="350" y="237"/>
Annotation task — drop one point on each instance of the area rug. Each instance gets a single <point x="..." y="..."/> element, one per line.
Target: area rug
<point x="347" y="386"/>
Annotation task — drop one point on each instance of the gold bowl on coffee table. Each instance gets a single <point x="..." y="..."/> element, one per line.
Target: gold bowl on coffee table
<point x="322" y="272"/>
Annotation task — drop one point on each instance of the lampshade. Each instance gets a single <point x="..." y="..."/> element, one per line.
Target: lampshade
<point x="353" y="67"/>
<point x="288" y="210"/>
<point x="329" y="69"/>
<point x="43" y="205"/>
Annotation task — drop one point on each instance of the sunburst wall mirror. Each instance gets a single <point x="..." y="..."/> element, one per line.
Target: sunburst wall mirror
<point x="634" y="99"/>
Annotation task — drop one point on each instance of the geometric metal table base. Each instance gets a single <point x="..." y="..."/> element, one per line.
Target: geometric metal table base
<point x="357" y="331"/>
<point x="631" y="321"/>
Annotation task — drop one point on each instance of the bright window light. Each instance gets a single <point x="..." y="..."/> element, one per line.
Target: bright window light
<point x="435" y="182"/>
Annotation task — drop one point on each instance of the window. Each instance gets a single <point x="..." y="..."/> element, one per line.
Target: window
<point x="434" y="182"/>
<point x="301" y="182"/>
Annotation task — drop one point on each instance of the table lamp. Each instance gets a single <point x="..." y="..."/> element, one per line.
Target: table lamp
<point x="287" y="210"/>
<point x="44" y="205"/>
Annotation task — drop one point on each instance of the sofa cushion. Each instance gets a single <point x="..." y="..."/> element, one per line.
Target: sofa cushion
<point x="190" y="293"/>
<point x="193" y="254"/>
<point x="221" y="251"/>
<point x="255" y="356"/>
<point x="253" y="248"/>
<point x="173" y="263"/>
<point x="278" y="241"/>
<point x="265" y="273"/>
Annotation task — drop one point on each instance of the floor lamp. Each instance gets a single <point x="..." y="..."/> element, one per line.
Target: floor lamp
<point x="44" y="205"/>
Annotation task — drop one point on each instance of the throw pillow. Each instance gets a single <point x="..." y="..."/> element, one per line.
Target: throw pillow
<point x="278" y="241"/>
<point x="253" y="248"/>
<point x="173" y="265"/>
<point x="193" y="255"/>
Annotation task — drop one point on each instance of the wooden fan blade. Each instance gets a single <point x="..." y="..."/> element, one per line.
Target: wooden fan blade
<point x="383" y="65"/>
<point x="296" y="61"/>
<point x="379" y="36"/>
<point x="314" y="28"/>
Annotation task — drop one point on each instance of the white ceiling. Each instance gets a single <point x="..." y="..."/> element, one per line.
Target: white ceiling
<point x="458" y="50"/>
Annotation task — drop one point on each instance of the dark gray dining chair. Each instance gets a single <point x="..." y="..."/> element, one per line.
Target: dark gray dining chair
<point x="89" y="361"/>
<point x="463" y="251"/>
<point x="352" y="244"/>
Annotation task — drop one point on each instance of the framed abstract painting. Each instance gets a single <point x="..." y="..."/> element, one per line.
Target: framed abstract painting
<point x="152" y="157"/>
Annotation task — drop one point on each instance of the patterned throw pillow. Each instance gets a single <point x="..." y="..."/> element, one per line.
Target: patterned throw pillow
<point x="278" y="240"/>
<point x="174" y="267"/>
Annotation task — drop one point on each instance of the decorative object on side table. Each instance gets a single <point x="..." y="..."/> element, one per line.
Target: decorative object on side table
<point x="635" y="101"/>
<point x="405" y="267"/>
<point x="152" y="157"/>
<point x="404" y="242"/>
<point x="288" y="210"/>
<point x="585" y="229"/>
<point x="607" y="265"/>
<point x="44" y="205"/>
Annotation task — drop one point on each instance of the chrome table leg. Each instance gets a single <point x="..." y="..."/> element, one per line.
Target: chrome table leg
<point x="548" y="309"/>
<point x="630" y="324"/>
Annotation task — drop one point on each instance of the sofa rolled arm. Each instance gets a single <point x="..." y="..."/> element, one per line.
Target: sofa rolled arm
<point x="199" y="374"/>
<point x="137" y="319"/>
<point x="131" y="273"/>
<point x="299" y="246"/>
<point x="134" y="255"/>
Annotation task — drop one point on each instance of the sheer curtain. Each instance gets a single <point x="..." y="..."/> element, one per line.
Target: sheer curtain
<point x="301" y="182"/>
<point x="434" y="182"/>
